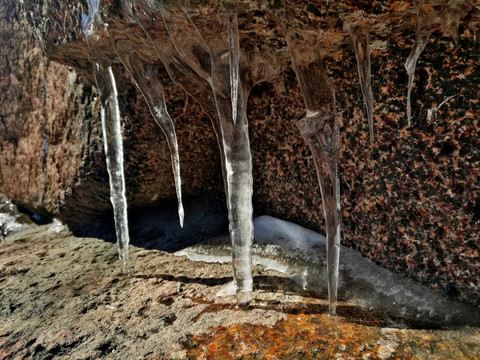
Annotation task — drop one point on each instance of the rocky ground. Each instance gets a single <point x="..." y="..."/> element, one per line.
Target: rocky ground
<point x="65" y="297"/>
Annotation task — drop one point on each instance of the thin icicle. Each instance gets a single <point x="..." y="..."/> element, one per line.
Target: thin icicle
<point x="112" y="139"/>
<point x="145" y="77"/>
<point x="234" y="54"/>
<point x="321" y="132"/>
<point x="361" y="44"/>
<point x="111" y="126"/>
<point x="423" y="33"/>
<point x="179" y="70"/>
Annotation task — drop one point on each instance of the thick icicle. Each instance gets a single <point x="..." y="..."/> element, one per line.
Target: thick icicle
<point x="361" y="43"/>
<point x="424" y="28"/>
<point x="234" y="136"/>
<point x="321" y="132"/>
<point x="234" y="54"/>
<point x="93" y="28"/>
<point x="145" y="77"/>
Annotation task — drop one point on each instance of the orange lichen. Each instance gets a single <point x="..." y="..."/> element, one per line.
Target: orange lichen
<point x="319" y="336"/>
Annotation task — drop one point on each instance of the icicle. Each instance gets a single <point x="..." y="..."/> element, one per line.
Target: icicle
<point x="234" y="54"/>
<point x="432" y="113"/>
<point x="112" y="139"/>
<point x="234" y="137"/>
<point x="146" y="79"/>
<point x="177" y="68"/>
<point x="321" y="132"/>
<point x="450" y="18"/>
<point x="424" y="29"/>
<point x="112" y="132"/>
<point x="476" y="43"/>
<point x="361" y="44"/>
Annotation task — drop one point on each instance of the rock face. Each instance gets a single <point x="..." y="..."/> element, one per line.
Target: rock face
<point x="411" y="203"/>
<point x="52" y="154"/>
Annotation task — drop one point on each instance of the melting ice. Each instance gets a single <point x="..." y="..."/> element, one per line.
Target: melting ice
<point x="203" y="51"/>
<point x="321" y="132"/>
<point x="361" y="44"/>
<point x="424" y="29"/>
<point x="111" y="126"/>
<point x="145" y="76"/>
<point x="234" y="55"/>
<point x="300" y="254"/>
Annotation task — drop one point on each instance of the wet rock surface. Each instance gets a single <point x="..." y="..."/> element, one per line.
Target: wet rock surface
<point x="64" y="297"/>
<point x="411" y="205"/>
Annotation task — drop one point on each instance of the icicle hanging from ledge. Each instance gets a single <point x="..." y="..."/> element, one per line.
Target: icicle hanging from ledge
<point x="358" y="30"/>
<point x="145" y="76"/>
<point x="204" y="57"/>
<point x="197" y="62"/>
<point x="234" y="54"/>
<point x="424" y="28"/>
<point x="236" y="147"/>
<point x="93" y="28"/>
<point x="321" y="132"/>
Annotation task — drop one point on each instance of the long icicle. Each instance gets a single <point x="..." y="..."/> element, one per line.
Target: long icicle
<point x="152" y="90"/>
<point x="320" y="130"/>
<point x="361" y="44"/>
<point x="185" y="70"/>
<point x="234" y="54"/>
<point x="238" y="161"/>
<point x="111" y="125"/>
<point x="421" y="39"/>
<point x="235" y="139"/>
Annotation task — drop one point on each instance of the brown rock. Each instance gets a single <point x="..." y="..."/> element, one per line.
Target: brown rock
<point x="52" y="154"/>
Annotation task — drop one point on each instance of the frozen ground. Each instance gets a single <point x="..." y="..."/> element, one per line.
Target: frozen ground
<point x="65" y="297"/>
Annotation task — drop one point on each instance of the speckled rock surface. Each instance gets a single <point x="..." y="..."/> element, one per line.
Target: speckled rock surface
<point x="411" y="204"/>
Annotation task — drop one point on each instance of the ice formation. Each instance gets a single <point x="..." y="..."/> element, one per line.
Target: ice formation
<point x="320" y="130"/>
<point x="424" y="28"/>
<point x="11" y="221"/>
<point x="359" y="33"/>
<point x="237" y="156"/>
<point x="450" y="17"/>
<point x="93" y="27"/>
<point x="200" y="50"/>
<point x="145" y="76"/>
<point x="195" y="58"/>
<point x="300" y="254"/>
<point x="234" y="54"/>
<point x="432" y="113"/>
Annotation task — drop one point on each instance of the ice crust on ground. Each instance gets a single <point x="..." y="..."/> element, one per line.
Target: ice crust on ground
<point x="300" y="254"/>
<point x="11" y="221"/>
